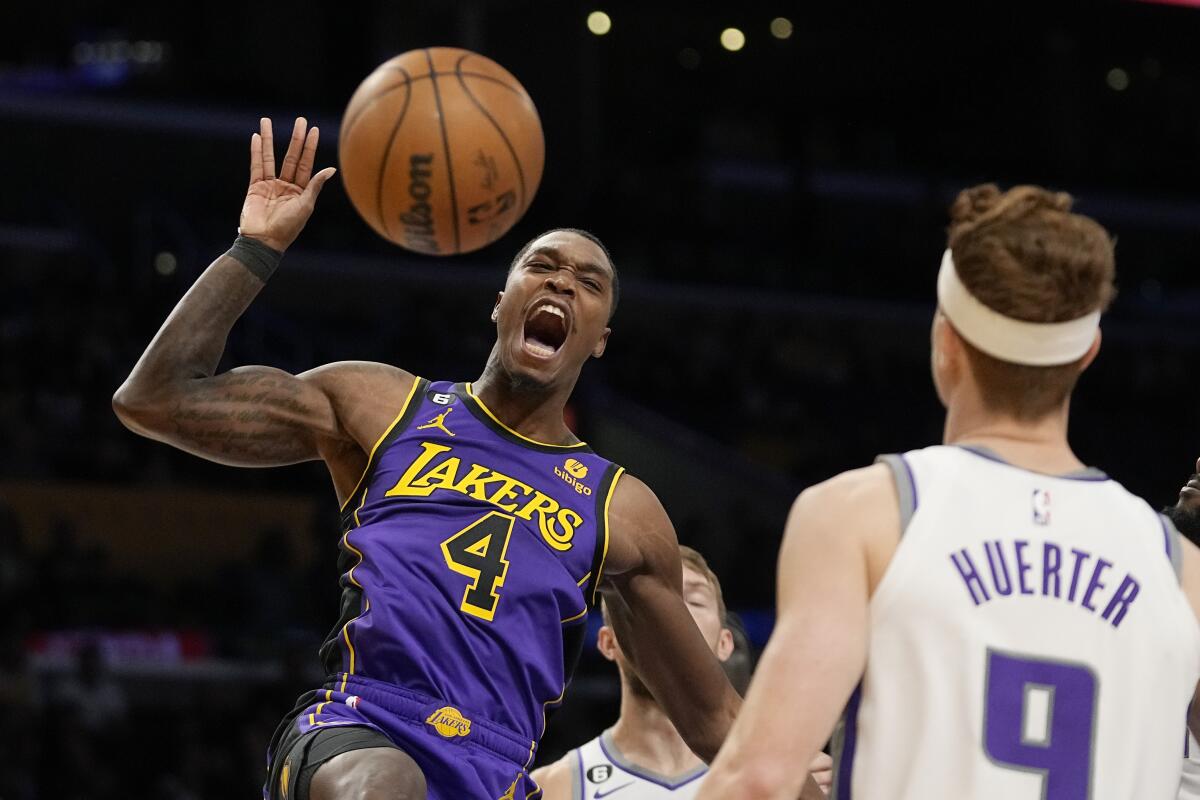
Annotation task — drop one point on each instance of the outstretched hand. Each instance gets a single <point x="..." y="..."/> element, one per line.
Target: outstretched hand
<point x="277" y="208"/>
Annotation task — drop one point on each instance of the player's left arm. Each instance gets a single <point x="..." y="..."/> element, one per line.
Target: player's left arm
<point x="643" y="591"/>
<point x="818" y="650"/>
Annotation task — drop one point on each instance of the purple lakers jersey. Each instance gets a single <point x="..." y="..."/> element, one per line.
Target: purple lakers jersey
<point x="470" y="557"/>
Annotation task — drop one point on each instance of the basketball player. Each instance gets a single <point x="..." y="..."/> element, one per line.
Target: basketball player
<point x="998" y="620"/>
<point x="642" y="756"/>
<point x="1186" y="516"/>
<point x="477" y="528"/>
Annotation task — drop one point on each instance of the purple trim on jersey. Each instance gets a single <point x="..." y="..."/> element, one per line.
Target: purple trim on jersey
<point x="912" y="481"/>
<point x="1097" y="477"/>
<point x="581" y="774"/>
<point x="636" y="771"/>
<point x="845" y="765"/>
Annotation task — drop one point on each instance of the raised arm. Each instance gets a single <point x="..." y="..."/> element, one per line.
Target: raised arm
<point x="251" y="416"/>
<point x="818" y="649"/>
<point x="643" y="591"/>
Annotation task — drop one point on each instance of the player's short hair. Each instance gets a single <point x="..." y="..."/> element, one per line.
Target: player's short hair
<point x="690" y="558"/>
<point x="1024" y="254"/>
<point x="591" y="237"/>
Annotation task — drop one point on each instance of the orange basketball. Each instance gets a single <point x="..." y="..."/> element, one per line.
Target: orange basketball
<point x="441" y="150"/>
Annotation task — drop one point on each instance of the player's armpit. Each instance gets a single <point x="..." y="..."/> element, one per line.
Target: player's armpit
<point x="643" y="591"/>
<point x="817" y="652"/>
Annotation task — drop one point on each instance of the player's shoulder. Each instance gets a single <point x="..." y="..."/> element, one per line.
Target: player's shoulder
<point x="856" y="490"/>
<point x="555" y="780"/>
<point x="859" y="508"/>
<point x="347" y="380"/>
<point x="638" y="526"/>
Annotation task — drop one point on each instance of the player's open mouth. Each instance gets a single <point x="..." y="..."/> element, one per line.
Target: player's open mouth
<point x="545" y="330"/>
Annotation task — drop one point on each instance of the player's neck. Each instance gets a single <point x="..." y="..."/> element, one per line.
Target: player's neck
<point x="534" y="412"/>
<point x="645" y="736"/>
<point x="1039" y="445"/>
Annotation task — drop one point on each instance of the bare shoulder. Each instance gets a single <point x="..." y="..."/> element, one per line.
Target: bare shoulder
<point x="858" y="509"/>
<point x="345" y="379"/>
<point x="555" y="779"/>
<point x="860" y="490"/>
<point x="638" y="525"/>
<point x="366" y="395"/>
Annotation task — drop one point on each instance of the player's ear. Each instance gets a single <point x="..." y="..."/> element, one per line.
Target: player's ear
<point x="598" y="350"/>
<point x="606" y="643"/>
<point x="496" y="308"/>
<point x="1092" y="352"/>
<point x="724" y="645"/>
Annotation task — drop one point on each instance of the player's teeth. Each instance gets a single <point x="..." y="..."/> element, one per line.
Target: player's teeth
<point x="539" y="349"/>
<point x="552" y="310"/>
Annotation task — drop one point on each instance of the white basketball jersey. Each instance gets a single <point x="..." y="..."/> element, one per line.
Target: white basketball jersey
<point x="1029" y="641"/>
<point x="601" y="770"/>
<point x="1189" y="783"/>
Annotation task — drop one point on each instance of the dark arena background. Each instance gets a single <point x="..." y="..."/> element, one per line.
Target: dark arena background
<point x="777" y="211"/>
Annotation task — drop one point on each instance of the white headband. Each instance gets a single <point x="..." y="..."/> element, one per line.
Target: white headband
<point x="1036" y="344"/>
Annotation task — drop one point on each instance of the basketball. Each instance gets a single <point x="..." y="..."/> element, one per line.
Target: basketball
<point x="441" y="150"/>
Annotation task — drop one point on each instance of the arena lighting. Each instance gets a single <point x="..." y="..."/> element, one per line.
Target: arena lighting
<point x="599" y="23"/>
<point x="781" y="28"/>
<point x="165" y="263"/>
<point x="733" y="39"/>
<point x="1118" y="79"/>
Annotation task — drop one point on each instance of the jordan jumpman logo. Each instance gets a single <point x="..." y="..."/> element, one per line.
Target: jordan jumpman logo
<point x="438" y="422"/>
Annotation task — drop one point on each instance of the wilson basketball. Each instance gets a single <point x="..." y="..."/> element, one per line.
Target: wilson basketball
<point x="441" y="150"/>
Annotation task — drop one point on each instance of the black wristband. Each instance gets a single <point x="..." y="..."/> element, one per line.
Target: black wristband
<point x="255" y="256"/>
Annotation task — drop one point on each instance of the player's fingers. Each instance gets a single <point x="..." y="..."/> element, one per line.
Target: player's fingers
<point x="307" y="157"/>
<point x="268" y="149"/>
<point x="256" y="164"/>
<point x="287" y="170"/>
<point x="314" y="186"/>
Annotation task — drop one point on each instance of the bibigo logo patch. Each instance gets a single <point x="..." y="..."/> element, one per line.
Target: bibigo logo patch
<point x="572" y="473"/>
<point x="449" y="722"/>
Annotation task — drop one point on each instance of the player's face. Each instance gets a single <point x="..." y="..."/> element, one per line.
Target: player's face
<point x="701" y="600"/>
<point x="553" y="313"/>
<point x="1186" y="511"/>
<point x="1189" y="495"/>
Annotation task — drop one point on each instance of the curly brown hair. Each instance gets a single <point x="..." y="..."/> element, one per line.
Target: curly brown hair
<point x="1024" y="254"/>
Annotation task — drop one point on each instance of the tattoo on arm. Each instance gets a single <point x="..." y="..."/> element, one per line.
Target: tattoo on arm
<point x="255" y="416"/>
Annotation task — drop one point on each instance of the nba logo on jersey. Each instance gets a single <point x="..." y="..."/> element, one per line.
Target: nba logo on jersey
<point x="1041" y="507"/>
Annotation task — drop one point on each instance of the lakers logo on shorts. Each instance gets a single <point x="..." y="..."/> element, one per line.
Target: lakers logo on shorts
<point x="449" y="722"/>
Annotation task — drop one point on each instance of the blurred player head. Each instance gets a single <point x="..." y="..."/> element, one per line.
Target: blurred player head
<point x="702" y="593"/>
<point x="1024" y="256"/>
<point x="553" y="314"/>
<point x="1186" y="511"/>
<point x="740" y="664"/>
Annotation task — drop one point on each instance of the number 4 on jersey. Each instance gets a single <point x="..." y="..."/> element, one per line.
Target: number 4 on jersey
<point x="478" y="551"/>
